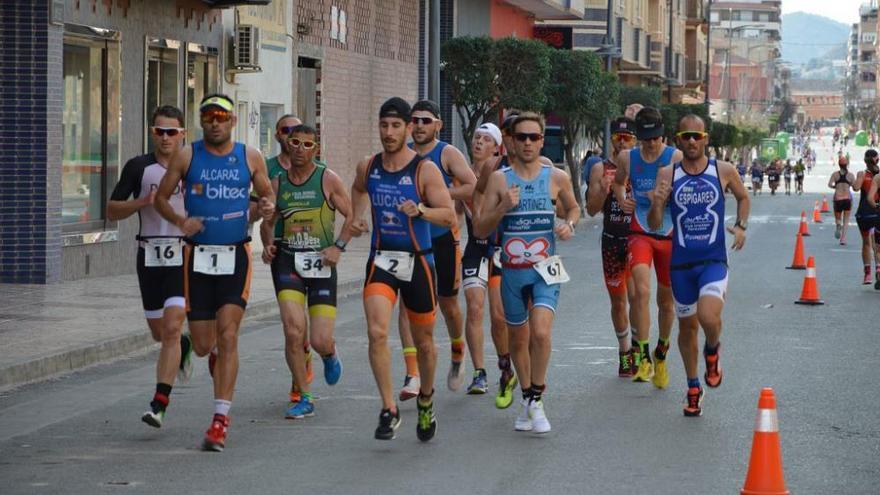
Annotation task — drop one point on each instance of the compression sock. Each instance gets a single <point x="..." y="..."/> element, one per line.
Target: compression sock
<point x="410" y="356"/>
<point x="160" y="398"/>
<point x="457" y="346"/>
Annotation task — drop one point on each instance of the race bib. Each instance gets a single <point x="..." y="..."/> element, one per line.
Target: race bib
<point x="398" y="263"/>
<point x="162" y="252"/>
<point x="483" y="273"/>
<point x="496" y="257"/>
<point x="214" y="260"/>
<point x="552" y="271"/>
<point x="310" y="265"/>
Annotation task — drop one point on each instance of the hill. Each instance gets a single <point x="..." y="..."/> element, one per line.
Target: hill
<point x="808" y="36"/>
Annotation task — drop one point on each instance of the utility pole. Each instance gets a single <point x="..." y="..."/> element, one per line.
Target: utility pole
<point x="669" y="56"/>
<point x="708" y="55"/>
<point x="729" y="50"/>
<point x="434" y="52"/>
<point x="609" y="46"/>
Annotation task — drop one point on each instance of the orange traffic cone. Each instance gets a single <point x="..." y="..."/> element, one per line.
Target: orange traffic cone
<point x="810" y="292"/>
<point x="817" y="218"/>
<point x="824" y="205"/>
<point x="765" y="476"/>
<point x="797" y="262"/>
<point x="804" y="231"/>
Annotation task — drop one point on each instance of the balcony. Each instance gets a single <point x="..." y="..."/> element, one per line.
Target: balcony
<point x="551" y="9"/>
<point x="695" y="13"/>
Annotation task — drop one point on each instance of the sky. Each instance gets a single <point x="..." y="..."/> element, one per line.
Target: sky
<point x="846" y="11"/>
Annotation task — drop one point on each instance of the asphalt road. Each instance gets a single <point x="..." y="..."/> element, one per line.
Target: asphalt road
<point x="82" y="433"/>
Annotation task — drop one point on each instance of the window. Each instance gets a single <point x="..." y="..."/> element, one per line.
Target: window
<point x="163" y="78"/>
<point x="201" y="79"/>
<point x="269" y="114"/>
<point x="89" y="125"/>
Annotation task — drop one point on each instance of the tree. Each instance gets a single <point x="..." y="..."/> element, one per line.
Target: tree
<point x="581" y="96"/>
<point x="467" y="68"/>
<point x="648" y="96"/>
<point x="672" y="114"/>
<point x="523" y="73"/>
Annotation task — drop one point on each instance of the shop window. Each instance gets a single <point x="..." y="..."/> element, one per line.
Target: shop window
<point x="163" y="79"/>
<point x="269" y="114"/>
<point x="90" y="125"/>
<point x="202" y="78"/>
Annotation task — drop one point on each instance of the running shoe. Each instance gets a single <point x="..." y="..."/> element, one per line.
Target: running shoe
<point x="427" y="426"/>
<point x="661" y="374"/>
<point x="506" y="386"/>
<point x="212" y="361"/>
<point x="153" y="418"/>
<point x="867" y="280"/>
<point x="332" y="369"/>
<point x="295" y="393"/>
<point x="523" y="420"/>
<point x="538" y="417"/>
<point x="186" y="365"/>
<point x="625" y="367"/>
<point x="713" y="373"/>
<point x="645" y="371"/>
<point x="694" y="402"/>
<point x="455" y="378"/>
<point x="480" y="384"/>
<point x="215" y="437"/>
<point x="299" y="410"/>
<point x="388" y="424"/>
<point x="411" y="386"/>
<point x="837" y="229"/>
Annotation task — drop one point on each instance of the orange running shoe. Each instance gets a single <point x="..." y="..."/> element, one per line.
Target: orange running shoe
<point x="694" y="402"/>
<point x="215" y="437"/>
<point x="713" y="373"/>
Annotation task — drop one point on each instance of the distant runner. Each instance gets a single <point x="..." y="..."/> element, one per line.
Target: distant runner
<point x="842" y="181"/>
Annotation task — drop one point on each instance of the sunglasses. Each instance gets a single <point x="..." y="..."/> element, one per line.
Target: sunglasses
<point x="423" y="120"/>
<point x="286" y="129"/>
<point x="216" y="115"/>
<point x="695" y="135"/>
<point x="531" y="136"/>
<point x="166" y="131"/>
<point x="298" y="143"/>
<point x="623" y="136"/>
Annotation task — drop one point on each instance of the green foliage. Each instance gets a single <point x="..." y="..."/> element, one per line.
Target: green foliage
<point x="672" y="113"/>
<point x="523" y="73"/>
<point x="723" y="135"/>
<point x="467" y="69"/>
<point x="648" y="96"/>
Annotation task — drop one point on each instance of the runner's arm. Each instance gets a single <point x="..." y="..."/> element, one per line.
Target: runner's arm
<point x="490" y="212"/>
<point x="832" y="179"/>
<point x="567" y="202"/>
<point x="596" y="194"/>
<point x="465" y="180"/>
<point x="360" y="201"/>
<point x="177" y="169"/>
<point x="438" y="206"/>
<point x="341" y="202"/>
<point x="119" y="206"/>
<point x="659" y="198"/>
<point x="620" y="178"/>
<point x="260" y="175"/>
<point x="857" y="185"/>
<point x="731" y="181"/>
<point x="485" y="173"/>
<point x="267" y="228"/>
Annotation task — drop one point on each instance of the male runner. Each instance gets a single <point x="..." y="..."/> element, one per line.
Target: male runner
<point x="520" y="202"/>
<point x="757" y="178"/>
<point x="699" y="254"/>
<point x="773" y="176"/>
<point x="646" y="245"/>
<point x="407" y="193"/>
<point x="445" y="241"/>
<point x="217" y="173"/>
<point x="304" y="260"/>
<point x="615" y="238"/>
<point x="868" y="216"/>
<point x="841" y="181"/>
<point x="159" y="260"/>
<point x="479" y="272"/>
<point x="799" y="176"/>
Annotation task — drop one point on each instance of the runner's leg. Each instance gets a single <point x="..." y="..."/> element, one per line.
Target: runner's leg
<point x="226" y="370"/>
<point x="378" y="310"/>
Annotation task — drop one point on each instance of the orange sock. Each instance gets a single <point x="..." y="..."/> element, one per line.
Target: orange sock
<point x="412" y="363"/>
<point x="457" y="346"/>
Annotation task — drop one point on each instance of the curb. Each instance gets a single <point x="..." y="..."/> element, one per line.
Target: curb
<point x="94" y="353"/>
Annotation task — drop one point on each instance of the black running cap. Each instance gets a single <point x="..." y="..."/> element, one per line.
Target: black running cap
<point x="871" y="154"/>
<point x="395" y="107"/>
<point x="623" y="125"/>
<point x="427" y="106"/>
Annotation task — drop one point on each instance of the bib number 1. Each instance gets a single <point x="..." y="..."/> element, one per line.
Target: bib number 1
<point x="214" y="260"/>
<point x="397" y="263"/>
<point x="552" y="271"/>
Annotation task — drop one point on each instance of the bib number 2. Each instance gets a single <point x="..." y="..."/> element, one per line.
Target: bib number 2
<point x="310" y="265"/>
<point x="397" y="263"/>
<point x="214" y="260"/>
<point x="552" y="271"/>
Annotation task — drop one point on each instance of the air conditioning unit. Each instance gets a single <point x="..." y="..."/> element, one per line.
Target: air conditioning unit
<point x="246" y="49"/>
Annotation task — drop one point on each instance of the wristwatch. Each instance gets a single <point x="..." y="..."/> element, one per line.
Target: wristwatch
<point x="741" y="224"/>
<point x="421" y="209"/>
<point x="340" y="244"/>
<point x="571" y="226"/>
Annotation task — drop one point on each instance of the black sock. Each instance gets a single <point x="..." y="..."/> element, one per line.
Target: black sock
<point x="710" y="351"/>
<point x="504" y="362"/>
<point x="537" y="390"/>
<point x="161" y="397"/>
<point x="526" y="394"/>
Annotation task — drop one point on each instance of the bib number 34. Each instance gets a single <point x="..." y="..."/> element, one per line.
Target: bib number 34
<point x="397" y="263"/>
<point x="552" y="271"/>
<point x="311" y="265"/>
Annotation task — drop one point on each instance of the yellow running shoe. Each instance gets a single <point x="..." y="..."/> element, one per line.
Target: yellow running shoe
<point x="506" y="386"/>
<point x="645" y="371"/>
<point x="661" y="375"/>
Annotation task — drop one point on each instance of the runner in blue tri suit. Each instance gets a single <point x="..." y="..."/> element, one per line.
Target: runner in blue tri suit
<point x="217" y="174"/>
<point x="699" y="254"/>
<point x="407" y="194"/>
<point x="520" y="201"/>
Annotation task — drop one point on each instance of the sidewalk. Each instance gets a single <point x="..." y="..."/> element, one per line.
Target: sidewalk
<point x="50" y="329"/>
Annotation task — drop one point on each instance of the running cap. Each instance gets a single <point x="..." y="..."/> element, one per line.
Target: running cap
<point x="870" y="153"/>
<point x="427" y="106"/>
<point x="649" y="124"/>
<point x="623" y="125"/>
<point x="395" y="107"/>
<point x="492" y="130"/>
<point x="217" y="100"/>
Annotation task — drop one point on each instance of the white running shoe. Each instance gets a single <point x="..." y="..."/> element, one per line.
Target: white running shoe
<point x="523" y="420"/>
<point x="539" y="419"/>
<point x="455" y="378"/>
<point x="411" y="386"/>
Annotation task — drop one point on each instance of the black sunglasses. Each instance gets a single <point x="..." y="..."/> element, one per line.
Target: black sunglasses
<point x="531" y="136"/>
<point x="167" y="131"/>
